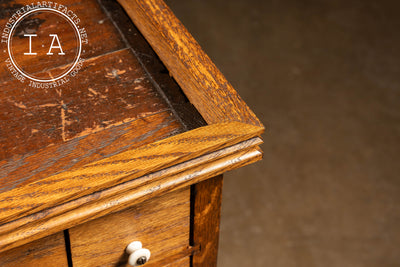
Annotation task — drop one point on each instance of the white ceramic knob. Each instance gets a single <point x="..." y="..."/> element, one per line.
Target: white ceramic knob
<point x="138" y="255"/>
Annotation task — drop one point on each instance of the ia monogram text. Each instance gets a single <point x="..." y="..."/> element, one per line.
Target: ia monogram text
<point x="52" y="46"/>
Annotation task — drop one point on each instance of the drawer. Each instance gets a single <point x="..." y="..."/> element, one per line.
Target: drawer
<point x="162" y="225"/>
<point x="49" y="252"/>
<point x="185" y="262"/>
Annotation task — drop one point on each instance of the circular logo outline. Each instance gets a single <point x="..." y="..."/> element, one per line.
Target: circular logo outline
<point x="12" y="31"/>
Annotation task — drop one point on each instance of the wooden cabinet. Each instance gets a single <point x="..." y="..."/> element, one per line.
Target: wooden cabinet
<point x="131" y="148"/>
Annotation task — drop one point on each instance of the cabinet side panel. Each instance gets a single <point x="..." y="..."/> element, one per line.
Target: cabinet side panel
<point x="206" y="213"/>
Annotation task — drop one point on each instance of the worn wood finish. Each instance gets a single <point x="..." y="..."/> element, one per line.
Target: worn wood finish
<point x="49" y="251"/>
<point x="83" y="155"/>
<point x="155" y="68"/>
<point x="64" y="156"/>
<point x="206" y="198"/>
<point x="120" y="168"/>
<point x="202" y="82"/>
<point x="161" y="224"/>
<point x="115" y="90"/>
<point x="96" y="205"/>
<point x="95" y="22"/>
<point x="101" y="102"/>
<point x="55" y="128"/>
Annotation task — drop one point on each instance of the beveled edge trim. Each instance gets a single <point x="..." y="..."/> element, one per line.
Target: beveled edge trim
<point x="202" y="82"/>
<point x="108" y="172"/>
<point x="40" y="228"/>
<point x="131" y="184"/>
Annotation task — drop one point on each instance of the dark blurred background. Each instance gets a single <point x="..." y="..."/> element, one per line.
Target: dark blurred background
<point x="324" y="77"/>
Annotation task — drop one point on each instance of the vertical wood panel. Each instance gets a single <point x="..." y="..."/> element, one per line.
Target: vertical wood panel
<point x="207" y="212"/>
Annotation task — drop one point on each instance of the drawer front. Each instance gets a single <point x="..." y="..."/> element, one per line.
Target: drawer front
<point x="161" y="224"/>
<point x="185" y="262"/>
<point x="49" y="252"/>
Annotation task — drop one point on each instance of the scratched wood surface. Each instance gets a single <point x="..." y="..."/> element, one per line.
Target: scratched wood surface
<point x="96" y="23"/>
<point x="185" y="110"/>
<point x="199" y="78"/>
<point x="89" y="149"/>
<point x="112" y="106"/>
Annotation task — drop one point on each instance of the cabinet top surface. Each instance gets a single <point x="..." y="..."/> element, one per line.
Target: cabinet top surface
<point x="110" y="106"/>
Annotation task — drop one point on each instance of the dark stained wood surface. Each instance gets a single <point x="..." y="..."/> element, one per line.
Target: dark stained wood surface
<point x="116" y="139"/>
<point x="49" y="252"/>
<point x="101" y="112"/>
<point x="161" y="224"/>
<point x="96" y="23"/>
<point x="100" y="100"/>
<point x="188" y="114"/>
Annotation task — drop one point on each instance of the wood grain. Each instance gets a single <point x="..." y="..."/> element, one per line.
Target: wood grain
<point x="94" y="206"/>
<point x="97" y="152"/>
<point x="87" y="121"/>
<point x="161" y="224"/>
<point x="207" y="212"/>
<point x="80" y="151"/>
<point x="185" y="262"/>
<point x="115" y="90"/>
<point x="95" y="22"/>
<point x="202" y="82"/>
<point x="181" y="256"/>
<point x="130" y="185"/>
<point x="49" y="251"/>
<point x="156" y="70"/>
<point x="120" y="168"/>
